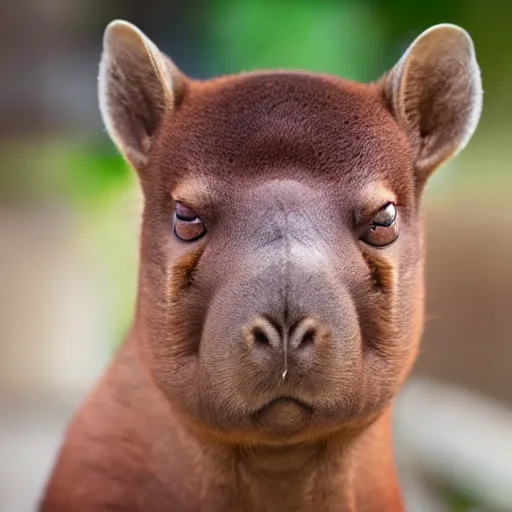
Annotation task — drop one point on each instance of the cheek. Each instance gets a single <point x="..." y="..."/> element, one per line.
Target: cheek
<point x="171" y="313"/>
<point x="411" y="303"/>
<point x="391" y="318"/>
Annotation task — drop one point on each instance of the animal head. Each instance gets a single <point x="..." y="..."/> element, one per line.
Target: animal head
<point x="281" y="264"/>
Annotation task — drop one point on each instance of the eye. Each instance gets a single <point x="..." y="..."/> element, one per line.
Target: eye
<point x="187" y="225"/>
<point x="383" y="228"/>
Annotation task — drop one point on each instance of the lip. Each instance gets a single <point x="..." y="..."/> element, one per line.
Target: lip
<point x="283" y="416"/>
<point x="285" y="399"/>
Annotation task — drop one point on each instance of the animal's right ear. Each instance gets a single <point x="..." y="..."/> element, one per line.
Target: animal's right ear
<point x="138" y="86"/>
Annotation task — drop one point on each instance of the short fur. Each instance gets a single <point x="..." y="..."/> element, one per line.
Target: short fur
<point x="261" y="367"/>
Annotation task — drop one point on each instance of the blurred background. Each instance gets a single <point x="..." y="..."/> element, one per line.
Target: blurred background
<point x="69" y="218"/>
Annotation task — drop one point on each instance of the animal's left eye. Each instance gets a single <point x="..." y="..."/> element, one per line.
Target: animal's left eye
<point x="187" y="225"/>
<point x="383" y="228"/>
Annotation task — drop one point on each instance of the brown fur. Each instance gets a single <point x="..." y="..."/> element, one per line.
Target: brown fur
<point x="285" y="169"/>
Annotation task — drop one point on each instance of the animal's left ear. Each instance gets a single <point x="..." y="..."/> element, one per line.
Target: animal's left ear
<point x="435" y="94"/>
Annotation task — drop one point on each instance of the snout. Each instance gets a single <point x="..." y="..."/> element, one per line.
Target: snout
<point x="283" y="324"/>
<point x="278" y="357"/>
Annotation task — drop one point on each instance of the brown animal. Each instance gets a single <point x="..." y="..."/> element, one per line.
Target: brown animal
<point x="280" y="302"/>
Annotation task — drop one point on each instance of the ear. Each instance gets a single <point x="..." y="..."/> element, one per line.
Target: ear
<point x="435" y="93"/>
<point x="138" y="86"/>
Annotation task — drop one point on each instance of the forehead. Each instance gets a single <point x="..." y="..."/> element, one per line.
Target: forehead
<point x="285" y="125"/>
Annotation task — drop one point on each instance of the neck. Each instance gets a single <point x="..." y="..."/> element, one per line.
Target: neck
<point x="329" y="476"/>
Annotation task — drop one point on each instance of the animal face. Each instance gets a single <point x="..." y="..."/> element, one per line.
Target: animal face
<point x="281" y="287"/>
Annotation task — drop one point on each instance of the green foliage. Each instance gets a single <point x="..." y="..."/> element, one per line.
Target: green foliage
<point x="338" y="37"/>
<point x="93" y="173"/>
<point x="99" y="187"/>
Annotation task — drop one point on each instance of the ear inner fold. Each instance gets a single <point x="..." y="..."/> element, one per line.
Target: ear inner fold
<point x="435" y="93"/>
<point x="138" y="86"/>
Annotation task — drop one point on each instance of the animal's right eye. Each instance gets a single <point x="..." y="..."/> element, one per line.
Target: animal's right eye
<point x="187" y="224"/>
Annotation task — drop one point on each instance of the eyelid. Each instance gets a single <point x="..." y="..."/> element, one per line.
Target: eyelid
<point x="383" y="209"/>
<point x="206" y="211"/>
<point x="184" y="213"/>
<point x="179" y="202"/>
<point x="365" y="215"/>
<point x="195" y="220"/>
<point x="199" y="207"/>
<point x="186" y="217"/>
<point x="372" y="198"/>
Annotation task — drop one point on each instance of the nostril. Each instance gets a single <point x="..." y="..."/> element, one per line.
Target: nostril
<point x="308" y="338"/>
<point x="262" y="334"/>
<point x="304" y="335"/>
<point x="260" y="338"/>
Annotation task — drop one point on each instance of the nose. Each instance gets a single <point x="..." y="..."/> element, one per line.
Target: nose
<point x="265" y="334"/>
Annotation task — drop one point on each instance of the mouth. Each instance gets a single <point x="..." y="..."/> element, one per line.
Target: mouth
<point x="285" y="400"/>
<point x="283" y="415"/>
